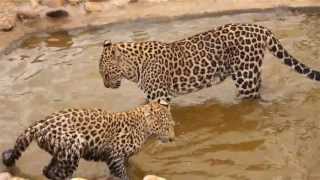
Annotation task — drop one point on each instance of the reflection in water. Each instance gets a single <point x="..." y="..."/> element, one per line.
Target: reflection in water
<point x="59" y="39"/>
<point x="55" y="39"/>
<point x="32" y="42"/>
<point x="217" y="136"/>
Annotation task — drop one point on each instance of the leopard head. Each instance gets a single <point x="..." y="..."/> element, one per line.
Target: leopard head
<point x="160" y="121"/>
<point x="109" y="66"/>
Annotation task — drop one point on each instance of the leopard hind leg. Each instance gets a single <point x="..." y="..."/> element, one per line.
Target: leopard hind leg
<point x="51" y="169"/>
<point x="247" y="79"/>
<point x="63" y="163"/>
<point x="117" y="166"/>
<point x="61" y="168"/>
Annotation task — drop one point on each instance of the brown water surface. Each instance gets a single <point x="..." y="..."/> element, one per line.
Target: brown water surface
<point x="218" y="137"/>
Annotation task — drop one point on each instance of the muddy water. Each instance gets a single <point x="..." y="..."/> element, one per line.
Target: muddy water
<point x="218" y="137"/>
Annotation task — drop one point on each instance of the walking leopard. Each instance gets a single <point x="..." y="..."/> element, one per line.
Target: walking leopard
<point x="166" y="70"/>
<point x="94" y="134"/>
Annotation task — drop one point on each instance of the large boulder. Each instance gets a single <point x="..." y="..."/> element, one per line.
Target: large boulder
<point x="8" y="15"/>
<point x="5" y="176"/>
<point x="153" y="177"/>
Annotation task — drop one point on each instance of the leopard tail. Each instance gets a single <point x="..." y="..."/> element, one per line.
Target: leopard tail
<point x="276" y="48"/>
<point x="11" y="155"/>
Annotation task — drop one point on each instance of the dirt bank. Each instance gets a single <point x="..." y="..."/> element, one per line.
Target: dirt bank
<point x="142" y="10"/>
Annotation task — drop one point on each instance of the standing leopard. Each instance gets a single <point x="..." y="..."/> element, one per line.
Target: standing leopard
<point x="165" y="70"/>
<point x="94" y="134"/>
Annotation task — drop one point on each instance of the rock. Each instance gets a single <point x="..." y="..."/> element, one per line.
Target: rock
<point x="102" y="178"/>
<point x="153" y="177"/>
<point x="93" y="6"/>
<point x="101" y="5"/>
<point x="148" y="177"/>
<point x="5" y="176"/>
<point x="27" y="13"/>
<point x="34" y="3"/>
<point x="8" y="176"/>
<point x="157" y="1"/>
<point x="59" y="13"/>
<point x="49" y="3"/>
<point x="8" y="15"/>
<point x="18" y="178"/>
<point x="119" y="3"/>
<point x="97" y="0"/>
<point x="74" y="2"/>
<point x="53" y="3"/>
<point x="151" y="1"/>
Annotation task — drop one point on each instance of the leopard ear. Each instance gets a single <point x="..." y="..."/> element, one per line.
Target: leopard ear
<point x="107" y="43"/>
<point x="163" y="102"/>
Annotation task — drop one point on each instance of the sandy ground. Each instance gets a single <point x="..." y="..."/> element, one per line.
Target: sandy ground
<point x="143" y="10"/>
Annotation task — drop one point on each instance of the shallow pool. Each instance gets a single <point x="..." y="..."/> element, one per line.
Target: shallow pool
<point x="218" y="137"/>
